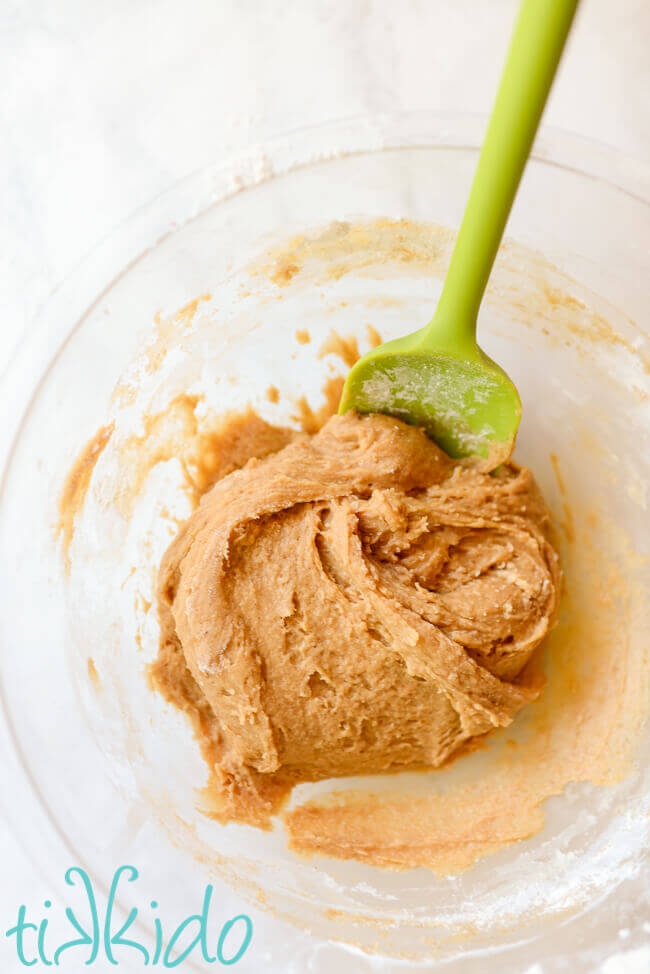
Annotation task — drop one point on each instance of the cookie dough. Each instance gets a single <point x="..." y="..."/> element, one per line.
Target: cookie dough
<point x="355" y="602"/>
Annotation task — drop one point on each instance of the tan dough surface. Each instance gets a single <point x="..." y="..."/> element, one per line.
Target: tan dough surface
<point x="352" y="603"/>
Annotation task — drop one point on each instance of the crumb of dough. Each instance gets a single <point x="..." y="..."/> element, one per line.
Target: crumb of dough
<point x="272" y="394"/>
<point x="346" y="349"/>
<point x="438" y="580"/>
<point x="303" y="337"/>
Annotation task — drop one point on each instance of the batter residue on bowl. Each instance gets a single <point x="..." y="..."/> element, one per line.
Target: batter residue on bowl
<point x="342" y="598"/>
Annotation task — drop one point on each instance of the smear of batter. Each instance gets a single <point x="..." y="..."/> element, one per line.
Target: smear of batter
<point x="354" y="603"/>
<point x="76" y="485"/>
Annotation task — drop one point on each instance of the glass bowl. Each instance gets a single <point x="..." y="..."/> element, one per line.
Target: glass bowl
<point x="110" y="775"/>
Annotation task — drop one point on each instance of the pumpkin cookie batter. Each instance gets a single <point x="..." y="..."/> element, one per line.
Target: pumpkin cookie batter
<point x="355" y="602"/>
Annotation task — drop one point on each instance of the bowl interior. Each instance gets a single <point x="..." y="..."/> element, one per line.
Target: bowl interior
<point x="566" y="315"/>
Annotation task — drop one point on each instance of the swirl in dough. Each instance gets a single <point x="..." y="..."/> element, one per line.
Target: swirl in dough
<point x="355" y="602"/>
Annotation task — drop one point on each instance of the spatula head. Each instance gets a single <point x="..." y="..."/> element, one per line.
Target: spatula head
<point x="468" y="406"/>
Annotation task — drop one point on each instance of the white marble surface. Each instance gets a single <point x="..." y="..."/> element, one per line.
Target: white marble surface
<point x="104" y="104"/>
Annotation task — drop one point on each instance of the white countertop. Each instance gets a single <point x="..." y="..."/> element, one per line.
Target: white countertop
<point x="104" y="105"/>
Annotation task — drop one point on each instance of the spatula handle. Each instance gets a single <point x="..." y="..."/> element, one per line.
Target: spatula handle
<point x="535" y="49"/>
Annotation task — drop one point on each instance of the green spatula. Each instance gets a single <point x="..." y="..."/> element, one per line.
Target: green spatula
<point x="438" y="377"/>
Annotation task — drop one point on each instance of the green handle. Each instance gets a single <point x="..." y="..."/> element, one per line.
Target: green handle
<point x="535" y="49"/>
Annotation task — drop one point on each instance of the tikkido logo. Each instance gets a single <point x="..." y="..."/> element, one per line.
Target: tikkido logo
<point x="97" y="938"/>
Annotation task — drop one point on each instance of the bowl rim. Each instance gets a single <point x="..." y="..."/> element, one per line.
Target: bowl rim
<point x="114" y="254"/>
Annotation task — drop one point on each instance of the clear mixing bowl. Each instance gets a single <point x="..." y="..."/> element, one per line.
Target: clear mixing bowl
<point x="109" y="775"/>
